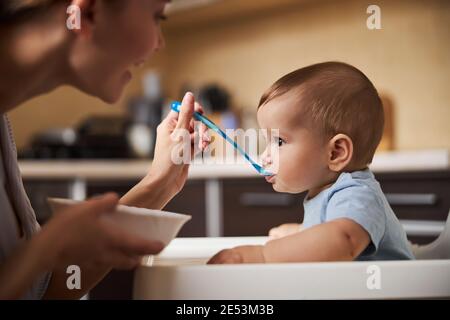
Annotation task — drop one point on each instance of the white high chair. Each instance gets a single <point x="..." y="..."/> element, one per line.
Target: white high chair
<point x="180" y="272"/>
<point x="438" y="249"/>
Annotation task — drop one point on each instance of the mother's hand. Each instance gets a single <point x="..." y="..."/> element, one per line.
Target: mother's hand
<point x="169" y="142"/>
<point x="81" y="235"/>
<point x="166" y="178"/>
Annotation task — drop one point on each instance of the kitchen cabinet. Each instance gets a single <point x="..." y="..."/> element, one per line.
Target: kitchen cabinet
<point x="417" y="195"/>
<point x="251" y="207"/>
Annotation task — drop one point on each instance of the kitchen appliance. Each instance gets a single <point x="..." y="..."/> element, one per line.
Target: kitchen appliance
<point x="97" y="137"/>
<point x="145" y="114"/>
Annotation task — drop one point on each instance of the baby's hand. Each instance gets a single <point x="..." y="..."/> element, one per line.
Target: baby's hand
<point x="284" y="230"/>
<point x="240" y="254"/>
<point x="227" y="256"/>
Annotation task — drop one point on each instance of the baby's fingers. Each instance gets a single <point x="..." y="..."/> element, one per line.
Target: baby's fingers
<point x="226" y="256"/>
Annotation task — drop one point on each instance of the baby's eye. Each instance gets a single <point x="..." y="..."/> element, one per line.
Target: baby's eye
<point x="279" y="141"/>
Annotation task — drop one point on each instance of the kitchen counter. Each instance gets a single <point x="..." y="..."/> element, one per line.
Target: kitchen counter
<point x="121" y="169"/>
<point x="136" y="169"/>
<point x="416" y="184"/>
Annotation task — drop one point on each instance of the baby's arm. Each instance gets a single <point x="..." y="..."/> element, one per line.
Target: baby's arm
<point x="337" y="240"/>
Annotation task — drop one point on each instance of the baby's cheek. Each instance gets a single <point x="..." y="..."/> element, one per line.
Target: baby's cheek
<point x="296" y="170"/>
<point x="288" y="171"/>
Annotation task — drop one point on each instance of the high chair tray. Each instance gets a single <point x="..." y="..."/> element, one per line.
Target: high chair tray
<point x="180" y="272"/>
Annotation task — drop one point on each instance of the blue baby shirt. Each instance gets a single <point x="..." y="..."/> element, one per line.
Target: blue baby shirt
<point x="358" y="196"/>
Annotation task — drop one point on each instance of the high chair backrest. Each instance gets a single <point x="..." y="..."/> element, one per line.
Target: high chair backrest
<point x="438" y="249"/>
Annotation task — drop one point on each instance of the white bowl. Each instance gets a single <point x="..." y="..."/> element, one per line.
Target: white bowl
<point x="150" y="224"/>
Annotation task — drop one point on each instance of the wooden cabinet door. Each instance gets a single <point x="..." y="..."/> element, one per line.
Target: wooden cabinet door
<point x="251" y="207"/>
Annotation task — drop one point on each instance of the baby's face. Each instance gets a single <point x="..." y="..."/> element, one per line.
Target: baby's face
<point x="302" y="157"/>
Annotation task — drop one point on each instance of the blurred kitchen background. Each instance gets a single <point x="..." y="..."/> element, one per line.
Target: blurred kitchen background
<point x="228" y="52"/>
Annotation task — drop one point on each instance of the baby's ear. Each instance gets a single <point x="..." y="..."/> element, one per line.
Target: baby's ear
<point x="340" y="152"/>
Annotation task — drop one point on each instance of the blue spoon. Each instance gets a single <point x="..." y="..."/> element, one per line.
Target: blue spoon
<point x="197" y="116"/>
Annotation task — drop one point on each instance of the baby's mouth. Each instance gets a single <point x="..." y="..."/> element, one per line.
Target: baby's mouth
<point x="270" y="179"/>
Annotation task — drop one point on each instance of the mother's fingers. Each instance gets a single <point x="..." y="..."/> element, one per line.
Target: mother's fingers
<point x="127" y="242"/>
<point x="137" y="246"/>
<point x="185" y="120"/>
<point x="120" y="260"/>
<point x="198" y="108"/>
<point x="98" y="205"/>
<point x="205" y="139"/>
<point x="186" y="111"/>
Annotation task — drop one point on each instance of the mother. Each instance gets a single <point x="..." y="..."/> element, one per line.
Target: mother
<point x="38" y="53"/>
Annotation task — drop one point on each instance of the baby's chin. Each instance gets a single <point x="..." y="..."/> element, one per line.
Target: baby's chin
<point x="281" y="187"/>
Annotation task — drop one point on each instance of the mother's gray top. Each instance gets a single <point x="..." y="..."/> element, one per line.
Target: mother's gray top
<point x="17" y="219"/>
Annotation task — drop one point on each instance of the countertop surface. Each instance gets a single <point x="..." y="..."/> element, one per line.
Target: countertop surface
<point x="135" y="169"/>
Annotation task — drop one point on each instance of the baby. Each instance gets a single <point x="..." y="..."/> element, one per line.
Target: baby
<point x="330" y="121"/>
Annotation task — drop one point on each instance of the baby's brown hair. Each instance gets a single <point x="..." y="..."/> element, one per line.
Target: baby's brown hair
<point x="336" y="98"/>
